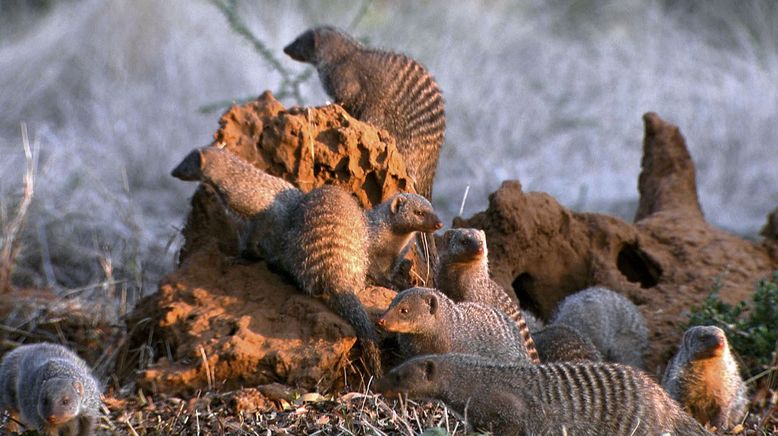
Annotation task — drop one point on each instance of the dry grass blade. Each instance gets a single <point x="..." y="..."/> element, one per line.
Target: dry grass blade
<point x="11" y="244"/>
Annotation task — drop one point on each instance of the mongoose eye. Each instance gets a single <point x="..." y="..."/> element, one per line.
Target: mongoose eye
<point x="418" y="213"/>
<point x="65" y="401"/>
<point x="404" y="310"/>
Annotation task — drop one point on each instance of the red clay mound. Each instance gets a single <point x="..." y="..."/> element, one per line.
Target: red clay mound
<point x="229" y="326"/>
<point x="667" y="262"/>
<point x="219" y="323"/>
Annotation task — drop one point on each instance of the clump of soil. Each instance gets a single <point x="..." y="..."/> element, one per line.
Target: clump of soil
<point x="667" y="262"/>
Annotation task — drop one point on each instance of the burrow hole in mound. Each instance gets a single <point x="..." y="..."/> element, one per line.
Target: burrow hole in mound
<point x="523" y="286"/>
<point x="638" y="267"/>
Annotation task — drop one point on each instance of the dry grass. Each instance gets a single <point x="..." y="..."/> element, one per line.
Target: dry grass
<point x="231" y="413"/>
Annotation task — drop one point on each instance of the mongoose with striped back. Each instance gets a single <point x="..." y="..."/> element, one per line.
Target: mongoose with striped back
<point x="704" y="378"/>
<point x="428" y="322"/>
<point x="612" y="322"/>
<point x="388" y="90"/>
<point x="265" y="200"/>
<point x="575" y="398"/>
<point x="561" y="343"/>
<point x="50" y="388"/>
<point x="393" y="225"/>
<point x="322" y="239"/>
<point x="463" y="275"/>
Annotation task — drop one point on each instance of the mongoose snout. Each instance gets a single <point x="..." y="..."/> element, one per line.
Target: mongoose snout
<point x="190" y="169"/>
<point x="303" y="48"/>
<point x="705" y="341"/>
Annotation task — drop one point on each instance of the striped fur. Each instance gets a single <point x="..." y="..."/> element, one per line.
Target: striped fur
<point x="428" y="322"/>
<point x="612" y="322"/>
<point x="386" y="89"/>
<point x="463" y="275"/>
<point x="581" y="398"/>
<point x="243" y="188"/>
<point x="561" y="343"/>
<point x="325" y="250"/>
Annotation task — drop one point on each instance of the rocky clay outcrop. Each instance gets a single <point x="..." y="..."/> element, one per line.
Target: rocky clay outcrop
<point x="224" y="325"/>
<point x="219" y="322"/>
<point x="667" y="262"/>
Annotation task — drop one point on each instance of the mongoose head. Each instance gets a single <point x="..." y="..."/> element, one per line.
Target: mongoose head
<point x="417" y="377"/>
<point x="60" y="400"/>
<point x="702" y="342"/>
<point x="412" y="311"/>
<point x="464" y="245"/>
<point x="321" y="45"/>
<point x="191" y="168"/>
<point x="410" y="213"/>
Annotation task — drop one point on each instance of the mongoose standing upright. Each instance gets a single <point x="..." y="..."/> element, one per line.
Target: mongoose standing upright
<point x="612" y="322"/>
<point x="50" y="388"/>
<point x="463" y="275"/>
<point x="704" y="377"/>
<point x="322" y="239"/>
<point x="388" y="90"/>
<point x="561" y="343"/>
<point x="428" y="322"/>
<point x="573" y="398"/>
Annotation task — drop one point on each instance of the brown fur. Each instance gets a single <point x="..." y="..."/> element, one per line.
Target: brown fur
<point x="704" y="377"/>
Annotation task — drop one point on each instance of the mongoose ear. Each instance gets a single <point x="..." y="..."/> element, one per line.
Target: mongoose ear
<point x="79" y="387"/>
<point x="397" y="201"/>
<point x="429" y="369"/>
<point x="432" y="302"/>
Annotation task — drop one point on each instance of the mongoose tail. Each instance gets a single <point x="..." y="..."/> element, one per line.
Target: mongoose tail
<point x="463" y="275"/>
<point x="348" y="306"/>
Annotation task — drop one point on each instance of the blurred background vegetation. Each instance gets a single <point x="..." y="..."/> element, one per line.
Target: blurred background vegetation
<point x="547" y="91"/>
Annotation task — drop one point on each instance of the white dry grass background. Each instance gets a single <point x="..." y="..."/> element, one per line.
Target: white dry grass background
<point x="549" y="92"/>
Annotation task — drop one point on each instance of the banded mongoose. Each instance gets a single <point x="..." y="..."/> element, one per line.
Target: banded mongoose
<point x="704" y="377"/>
<point x="322" y="239"/>
<point x="463" y="275"/>
<point x="428" y="322"/>
<point x="388" y="90"/>
<point x="612" y="322"/>
<point x="50" y="388"/>
<point x="573" y="398"/>
<point x="392" y="225"/>
<point x="561" y="343"/>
